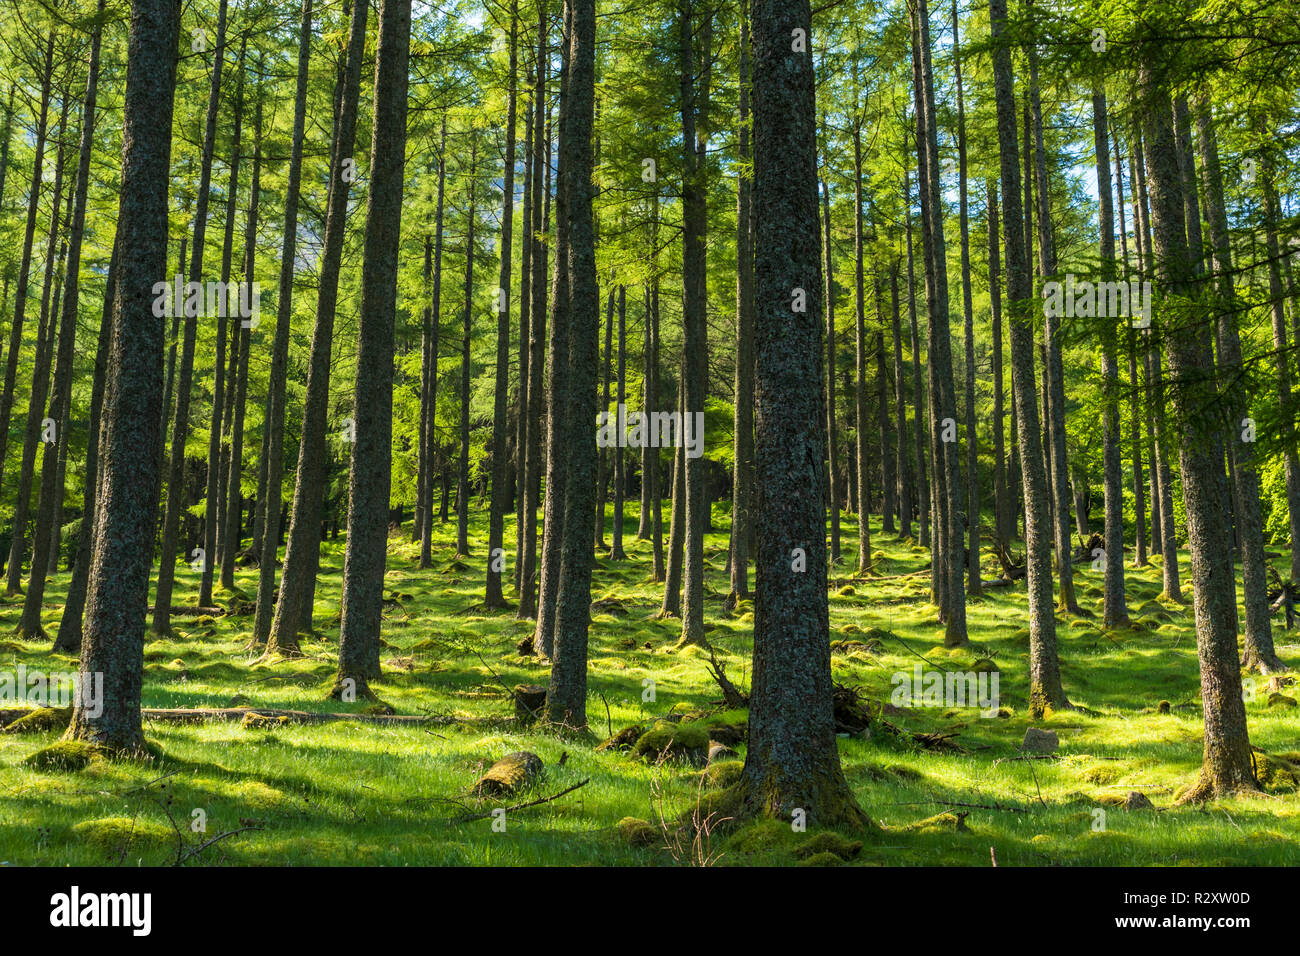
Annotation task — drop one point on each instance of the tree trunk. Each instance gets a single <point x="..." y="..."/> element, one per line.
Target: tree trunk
<point x="48" y="509"/>
<point x="1045" y="689"/>
<point x="566" y="696"/>
<point x="125" y="519"/>
<point x="293" y="610"/>
<point x="493" y="596"/>
<point x="1228" y="762"/>
<point x="274" y="425"/>
<point x="792" y="763"/>
<point x="1259" y="652"/>
<point x="181" y="414"/>
<point x="1115" y="610"/>
<point x="369" y="481"/>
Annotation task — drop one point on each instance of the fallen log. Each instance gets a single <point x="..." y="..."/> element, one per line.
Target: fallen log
<point x="200" y="714"/>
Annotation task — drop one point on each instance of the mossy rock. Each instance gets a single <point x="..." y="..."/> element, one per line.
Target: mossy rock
<point x="378" y="709"/>
<point x="723" y="774"/>
<point x="254" y="721"/>
<point x="687" y="741"/>
<point x="120" y="834"/>
<point x="637" y="832"/>
<point x="239" y="700"/>
<point x="1280" y="700"/>
<point x="40" y="720"/>
<point x="65" y="755"/>
<point x="829" y="842"/>
<point x="511" y="773"/>
<point x="1276" y="773"/>
<point x="822" y="859"/>
<point x="847" y="591"/>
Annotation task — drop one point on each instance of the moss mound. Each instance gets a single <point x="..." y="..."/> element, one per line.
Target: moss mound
<point x="40" y="720"/>
<point x="822" y="859"/>
<point x="829" y="842"/>
<point x="118" y="834"/>
<point x="65" y="755"/>
<point x="637" y="832"/>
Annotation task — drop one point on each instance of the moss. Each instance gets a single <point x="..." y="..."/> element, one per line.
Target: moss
<point x="119" y="834"/>
<point x="1101" y="775"/>
<point x="761" y="836"/>
<point x="40" y="720"/>
<point x="253" y="721"/>
<point x="637" y="832"/>
<point x="722" y="774"/>
<point x="829" y="842"/>
<point x="847" y="591"/>
<point x="1276" y="773"/>
<point x="258" y="796"/>
<point x="822" y="859"/>
<point x="940" y="823"/>
<point x="65" y="755"/>
<point x="688" y="741"/>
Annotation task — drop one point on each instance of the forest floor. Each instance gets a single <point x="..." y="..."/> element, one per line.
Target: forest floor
<point x="349" y="793"/>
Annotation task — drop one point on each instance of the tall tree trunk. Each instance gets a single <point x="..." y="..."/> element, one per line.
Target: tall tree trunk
<point x="742" y="490"/>
<point x="214" y="501"/>
<point x="68" y="639"/>
<point x="537" y="341"/>
<point x="1227" y="762"/>
<point x="237" y="397"/>
<point x="889" y="503"/>
<point x="1115" y="610"/>
<point x="566" y="698"/>
<point x="361" y="611"/>
<point x="1259" y="652"/>
<point x="616" y="552"/>
<point x="1053" y="367"/>
<point x="792" y="763"/>
<point x="274" y="426"/>
<point x="293" y="610"/>
<point x="36" y="408"/>
<point x="493" y="596"/>
<point x="906" y="487"/>
<point x="972" y="438"/>
<point x="558" y="433"/>
<point x="696" y="25"/>
<point x="1045" y="690"/>
<point x="1135" y="420"/>
<point x="834" y="502"/>
<point x="1003" y="516"/>
<point x="25" y="260"/>
<point x="49" y="503"/>
<point x="113" y="645"/>
<point x="949" y="516"/>
<point x="181" y="414"/>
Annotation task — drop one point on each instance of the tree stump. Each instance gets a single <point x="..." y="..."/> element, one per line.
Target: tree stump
<point x="509" y="774"/>
<point x="529" y="701"/>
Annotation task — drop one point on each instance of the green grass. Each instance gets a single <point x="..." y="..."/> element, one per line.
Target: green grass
<point x="354" y="793"/>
